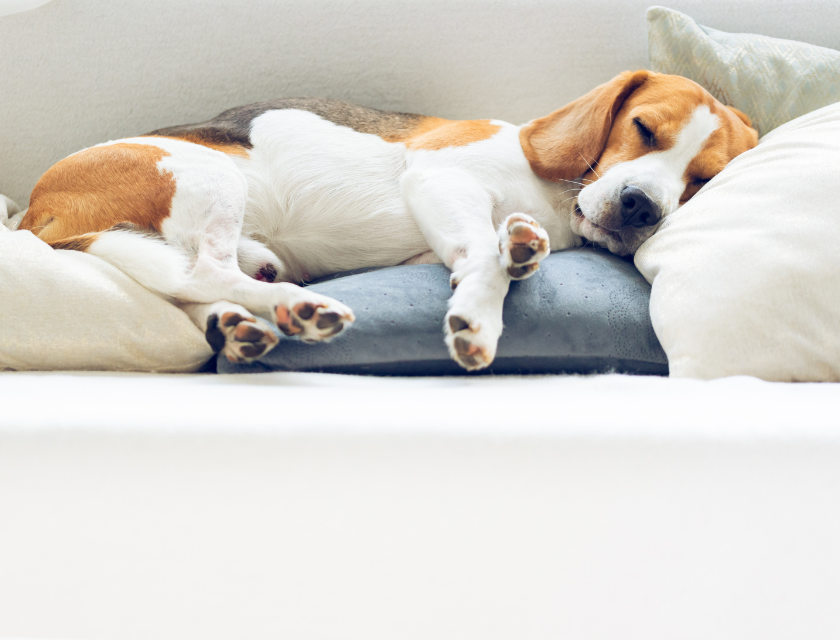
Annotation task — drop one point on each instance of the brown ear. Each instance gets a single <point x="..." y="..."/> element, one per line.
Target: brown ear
<point x="559" y="145"/>
<point x="743" y="116"/>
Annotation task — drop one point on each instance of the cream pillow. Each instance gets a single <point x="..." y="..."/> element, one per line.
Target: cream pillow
<point x="69" y="310"/>
<point x="746" y="275"/>
<point x="771" y="80"/>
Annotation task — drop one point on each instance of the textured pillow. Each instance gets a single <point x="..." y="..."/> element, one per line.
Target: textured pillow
<point x="7" y="209"/>
<point x="69" y="310"/>
<point x="584" y="311"/>
<point x="771" y="80"/>
<point x="746" y="275"/>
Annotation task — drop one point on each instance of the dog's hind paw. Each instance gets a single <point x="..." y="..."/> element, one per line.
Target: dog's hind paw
<point x="522" y="243"/>
<point x="314" y="318"/>
<point x="241" y="338"/>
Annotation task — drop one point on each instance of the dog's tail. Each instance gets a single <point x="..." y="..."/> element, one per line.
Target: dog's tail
<point x="10" y="213"/>
<point x="144" y="256"/>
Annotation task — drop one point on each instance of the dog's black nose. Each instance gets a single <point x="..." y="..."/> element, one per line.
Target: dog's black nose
<point x="637" y="209"/>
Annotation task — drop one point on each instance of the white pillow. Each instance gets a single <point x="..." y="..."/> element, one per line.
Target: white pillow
<point x="746" y="275"/>
<point x="8" y="209"/>
<point x="70" y="310"/>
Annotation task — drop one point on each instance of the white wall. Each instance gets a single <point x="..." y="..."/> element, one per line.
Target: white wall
<point x="17" y="6"/>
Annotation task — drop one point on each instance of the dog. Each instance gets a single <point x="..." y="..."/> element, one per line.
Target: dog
<point x="223" y="217"/>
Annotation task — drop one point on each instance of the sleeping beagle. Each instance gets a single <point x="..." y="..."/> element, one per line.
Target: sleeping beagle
<point x="222" y="217"/>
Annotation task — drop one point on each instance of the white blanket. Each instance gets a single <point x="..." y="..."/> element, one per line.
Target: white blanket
<point x="319" y="506"/>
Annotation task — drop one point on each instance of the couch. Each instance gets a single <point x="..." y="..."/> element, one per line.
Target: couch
<point x="306" y="505"/>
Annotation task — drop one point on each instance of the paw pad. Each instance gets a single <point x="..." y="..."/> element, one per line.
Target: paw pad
<point x="523" y="243"/>
<point x="266" y="273"/>
<point x="520" y="273"/>
<point x="327" y="320"/>
<point x="246" y="332"/>
<point x="464" y="340"/>
<point x="286" y="322"/>
<point x="457" y="323"/>
<point x="471" y="355"/>
<point x="305" y="310"/>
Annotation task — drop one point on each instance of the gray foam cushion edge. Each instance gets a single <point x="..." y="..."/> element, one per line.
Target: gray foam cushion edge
<point x="584" y="311"/>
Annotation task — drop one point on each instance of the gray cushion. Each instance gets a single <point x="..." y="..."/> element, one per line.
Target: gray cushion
<point x="584" y="311"/>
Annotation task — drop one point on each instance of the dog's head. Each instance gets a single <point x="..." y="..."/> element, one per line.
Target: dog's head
<point x="633" y="150"/>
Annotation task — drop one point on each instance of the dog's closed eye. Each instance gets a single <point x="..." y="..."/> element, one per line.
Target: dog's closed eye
<point x="647" y="135"/>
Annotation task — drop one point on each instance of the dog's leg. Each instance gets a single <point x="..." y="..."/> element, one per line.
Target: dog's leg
<point x="258" y="261"/>
<point x="455" y="215"/>
<point x="195" y="259"/>
<point x="213" y="275"/>
<point x="231" y="330"/>
<point x="296" y="311"/>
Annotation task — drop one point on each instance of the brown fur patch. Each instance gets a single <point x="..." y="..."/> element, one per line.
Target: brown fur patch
<point x="664" y="104"/>
<point x="98" y="188"/>
<point x="196" y="138"/>
<point x="730" y="139"/>
<point x="76" y="243"/>
<point x="230" y="131"/>
<point x="232" y="128"/>
<point x="435" y="133"/>
<point x="559" y="146"/>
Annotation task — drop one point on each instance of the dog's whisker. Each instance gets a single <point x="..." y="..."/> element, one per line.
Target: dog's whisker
<point x="576" y="193"/>
<point x="589" y="165"/>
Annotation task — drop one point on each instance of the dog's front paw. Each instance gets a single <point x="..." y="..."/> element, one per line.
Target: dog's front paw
<point x="241" y="338"/>
<point x="522" y="243"/>
<point x="470" y="345"/>
<point x="313" y="318"/>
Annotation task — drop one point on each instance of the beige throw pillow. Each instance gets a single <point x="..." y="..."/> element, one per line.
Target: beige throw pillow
<point x="746" y="275"/>
<point x="69" y="310"/>
<point x="771" y="80"/>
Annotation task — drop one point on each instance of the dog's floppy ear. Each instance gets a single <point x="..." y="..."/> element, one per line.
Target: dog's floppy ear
<point x="559" y="145"/>
<point x="748" y="133"/>
<point x="743" y="116"/>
